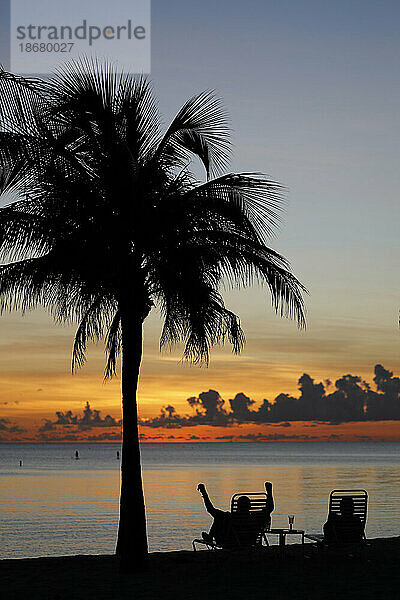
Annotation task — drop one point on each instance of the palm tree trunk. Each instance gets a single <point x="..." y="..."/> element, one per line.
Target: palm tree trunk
<point x="132" y="538"/>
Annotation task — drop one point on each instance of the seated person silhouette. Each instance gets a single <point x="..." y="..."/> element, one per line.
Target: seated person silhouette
<point x="239" y="528"/>
<point x="345" y="527"/>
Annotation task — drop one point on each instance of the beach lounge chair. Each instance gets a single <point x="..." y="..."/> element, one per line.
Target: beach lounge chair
<point x="343" y="531"/>
<point x="246" y="532"/>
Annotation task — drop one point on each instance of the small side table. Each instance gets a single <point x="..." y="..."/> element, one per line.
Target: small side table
<point x="283" y="532"/>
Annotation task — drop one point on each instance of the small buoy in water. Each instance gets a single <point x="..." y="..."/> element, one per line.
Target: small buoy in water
<point x="118" y="454"/>
<point x="76" y="455"/>
<point x="20" y="463"/>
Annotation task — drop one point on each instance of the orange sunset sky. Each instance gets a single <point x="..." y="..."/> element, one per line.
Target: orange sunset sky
<point x="36" y="381"/>
<point x="314" y="103"/>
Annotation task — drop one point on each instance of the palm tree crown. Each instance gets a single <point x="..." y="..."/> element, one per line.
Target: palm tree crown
<point x="111" y="220"/>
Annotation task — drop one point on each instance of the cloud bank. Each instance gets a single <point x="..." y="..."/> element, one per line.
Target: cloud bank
<point x="352" y="399"/>
<point x="7" y="426"/>
<point x="68" y="423"/>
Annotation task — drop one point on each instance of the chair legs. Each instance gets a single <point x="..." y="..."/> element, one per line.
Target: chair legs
<point x="264" y="537"/>
<point x="198" y="541"/>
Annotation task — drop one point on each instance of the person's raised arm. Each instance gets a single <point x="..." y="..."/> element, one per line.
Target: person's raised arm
<point x="270" y="497"/>
<point x="207" y="502"/>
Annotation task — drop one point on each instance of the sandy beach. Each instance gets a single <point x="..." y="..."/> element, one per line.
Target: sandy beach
<point x="371" y="574"/>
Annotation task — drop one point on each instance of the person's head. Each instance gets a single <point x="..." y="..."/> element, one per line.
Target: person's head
<point x="243" y="504"/>
<point x="347" y="506"/>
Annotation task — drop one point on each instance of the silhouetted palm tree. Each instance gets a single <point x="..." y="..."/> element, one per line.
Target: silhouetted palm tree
<point x="111" y="221"/>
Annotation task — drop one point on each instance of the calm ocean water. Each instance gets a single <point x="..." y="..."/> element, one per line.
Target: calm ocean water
<point x="56" y="505"/>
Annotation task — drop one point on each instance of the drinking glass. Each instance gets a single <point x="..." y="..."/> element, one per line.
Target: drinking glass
<point x="291" y="521"/>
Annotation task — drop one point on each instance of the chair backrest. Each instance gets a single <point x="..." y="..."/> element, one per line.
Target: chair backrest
<point x="348" y="527"/>
<point x="360" y="502"/>
<point x="249" y="530"/>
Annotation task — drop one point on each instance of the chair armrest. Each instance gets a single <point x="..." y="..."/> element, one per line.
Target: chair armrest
<point x="315" y="537"/>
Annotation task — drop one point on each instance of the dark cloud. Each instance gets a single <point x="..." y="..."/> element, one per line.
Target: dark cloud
<point x="89" y="420"/>
<point x="350" y="399"/>
<point x="240" y="406"/>
<point x="48" y="425"/>
<point x="66" y="418"/>
<point x="208" y="410"/>
<point x="7" y="426"/>
<point x="16" y="429"/>
<point x="386" y="404"/>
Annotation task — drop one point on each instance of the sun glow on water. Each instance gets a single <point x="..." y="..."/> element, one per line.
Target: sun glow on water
<point x="55" y="505"/>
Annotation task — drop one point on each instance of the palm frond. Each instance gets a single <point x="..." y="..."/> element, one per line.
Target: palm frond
<point x="258" y="198"/>
<point x="24" y="285"/>
<point x="23" y="232"/>
<point x="137" y="116"/>
<point x="90" y="328"/>
<point x="113" y="346"/>
<point x="199" y="318"/>
<point x="200" y="128"/>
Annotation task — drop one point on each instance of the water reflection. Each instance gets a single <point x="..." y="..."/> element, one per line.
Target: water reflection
<point x="55" y="506"/>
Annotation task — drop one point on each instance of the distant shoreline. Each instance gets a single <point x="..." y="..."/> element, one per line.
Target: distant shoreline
<point x="370" y="574"/>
